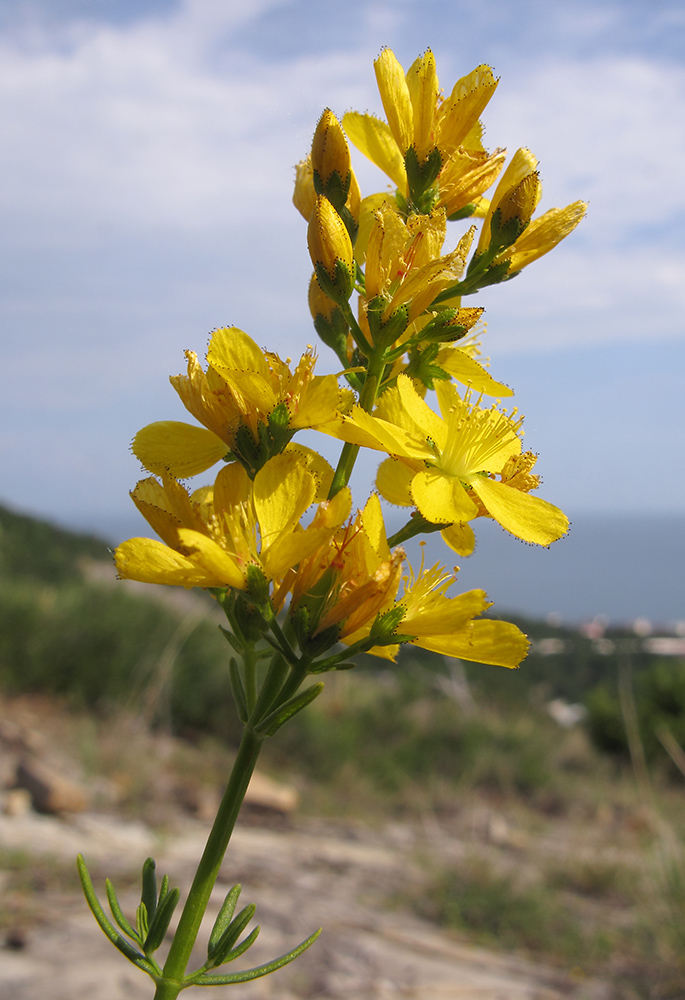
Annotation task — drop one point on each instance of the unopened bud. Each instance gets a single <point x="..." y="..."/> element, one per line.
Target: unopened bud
<point x="330" y="249"/>
<point x="331" y="160"/>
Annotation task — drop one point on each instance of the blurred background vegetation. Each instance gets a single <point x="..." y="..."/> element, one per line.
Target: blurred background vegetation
<point x="588" y="733"/>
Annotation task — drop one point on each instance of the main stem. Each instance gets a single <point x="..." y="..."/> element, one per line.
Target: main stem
<point x="367" y="397"/>
<point x="208" y="869"/>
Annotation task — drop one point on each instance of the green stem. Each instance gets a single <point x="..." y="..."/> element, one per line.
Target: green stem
<point x="367" y="397"/>
<point x="208" y="869"/>
<point x="416" y="525"/>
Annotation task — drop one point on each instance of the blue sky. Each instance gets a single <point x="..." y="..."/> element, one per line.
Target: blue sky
<point x="145" y="184"/>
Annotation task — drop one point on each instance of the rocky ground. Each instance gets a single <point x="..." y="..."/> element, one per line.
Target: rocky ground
<point x="301" y="876"/>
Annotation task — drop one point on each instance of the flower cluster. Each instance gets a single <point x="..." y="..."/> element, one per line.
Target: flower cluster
<point x="273" y="537"/>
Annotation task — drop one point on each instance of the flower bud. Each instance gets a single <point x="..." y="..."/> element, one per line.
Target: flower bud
<point x="330" y="249"/>
<point x="331" y="160"/>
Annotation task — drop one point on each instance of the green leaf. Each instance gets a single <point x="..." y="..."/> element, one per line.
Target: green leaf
<point x="237" y="645"/>
<point x="117" y="940"/>
<point x="163" y="889"/>
<point x="160" y="923"/>
<point x="149" y="893"/>
<point x="280" y="716"/>
<point x="118" y="915"/>
<point x="142" y="921"/>
<point x="224" y="917"/>
<point x="238" y="689"/>
<point x="256" y="973"/>
<point x="230" y="936"/>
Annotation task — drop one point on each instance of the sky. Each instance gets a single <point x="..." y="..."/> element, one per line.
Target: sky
<point x="146" y="175"/>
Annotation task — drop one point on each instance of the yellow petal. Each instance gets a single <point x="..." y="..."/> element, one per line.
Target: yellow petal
<point x="374" y="526"/>
<point x="392" y="86"/>
<point x="178" y="448"/>
<point x="283" y="490"/>
<point x="420" y="412"/>
<point x="231" y="348"/>
<point x="373" y="138"/>
<point x="462" y="109"/>
<point x="441" y="499"/>
<point x="150" y="561"/>
<point x="232" y="488"/>
<point x="499" y="643"/>
<point x="422" y="83"/>
<point x="318" y="466"/>
<point x="529" y="518"/>
<point x="460" y="538"/>
<point x="393" y="482"/>
<point x="220" y="569"/>
<point x="464" y="369"/>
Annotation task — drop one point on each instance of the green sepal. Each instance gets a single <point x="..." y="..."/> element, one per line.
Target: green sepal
<point x="442" y="329"/>
<point x="421" y="365"/>
<point x="148" y="895"/>
<point x="273" y="722"/>
<point x="117" y="940"/>
<point x="249" y="619"/>
<point x="463" y="213"/>
<point x="421" y="177"/>
<point x="385" y="334"/>
<point x="335" y="188"/>
<point x="503" y="236"/>
<point x="257" y="584"/>
<point x="159" y="925"/>
<point x="340" y="286"/>
<point x="322" y="641"/>
<point x="238" y="690"/>
<point x="279" y="429"/>
<point x="118" y="914"/>
<point x="248" y="974"/>
<point x="384" y="626"/>
<point x="217" y="955"/>
<point x="224" y="917"/>
<point x="351" y="224"/>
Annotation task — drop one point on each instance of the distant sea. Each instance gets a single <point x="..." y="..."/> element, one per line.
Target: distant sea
<point x="621" y="567"/>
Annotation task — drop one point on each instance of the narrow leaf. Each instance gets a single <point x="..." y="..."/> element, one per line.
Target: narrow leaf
<point x="231" y="935"/>
<point x="118" y="914"/>
<point x="238" y="689"/>
<point x="142" y="922"/>
<point x="256" y="973"/>
<point x="224" y="917"/>
<point x="160" y="923"/>
<point x="117" y="940"/>
<point x="163" y="889"/>
<point x="149" y="893"/>
<point x="280" y="716"/>
<point x="241" y="948"/>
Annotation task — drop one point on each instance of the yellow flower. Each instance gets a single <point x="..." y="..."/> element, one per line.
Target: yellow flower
<point x="404" y="268"/>
<point x="543" y="234"/>
<point x="428" y="138"/>
<point x="350" y="579"/>
<point x="510" y="213"/>
<point x="249" y="402"/>
<point x="446" y="624"/>
<point x="446" y="465"/>
<point x="210" y="537"/>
